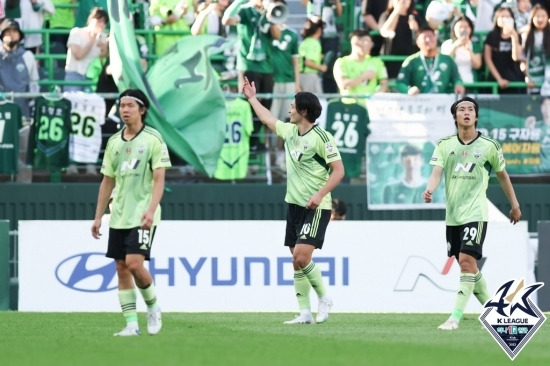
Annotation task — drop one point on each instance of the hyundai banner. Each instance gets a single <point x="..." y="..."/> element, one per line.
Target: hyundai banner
<point x="238" y="266"/>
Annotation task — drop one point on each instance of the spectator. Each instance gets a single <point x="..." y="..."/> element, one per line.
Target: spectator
<point x="63" y="18"/>
<point x="359" y="72"/>
<point x="254" y="60"/>
<point x="287" y="82"/>
<point x="170" y="15"/>
<point x="480" y="12"/>
<point x="428" y="71"/>
<point x="18" y="72"/>
<point x="84" y="8"/>
<point x="209" y="18"/>
<point x="339" y="209"/>
<point x="399" y="25"/>
<point x="311" y="56"/>
<point x="521" y="10"/>
<point x="464" y="50"/>
<point x="327" y="11"/>
<point x="440" y="14"/>
<point x="536" y="50"/>
<point x="502" y="52"/>
<point x="85" y="45"/>
<point x="371" y="12"/>
<point x="33" y="12"/>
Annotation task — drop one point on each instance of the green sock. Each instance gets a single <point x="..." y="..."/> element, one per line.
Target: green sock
<point x="149" y="295"/>
<point x="127" y="299"/>
<point x="480" y="289"/>
<point x="302" y="287"/>
<point x="465" y="289"/>
<point x="313" y="274"/>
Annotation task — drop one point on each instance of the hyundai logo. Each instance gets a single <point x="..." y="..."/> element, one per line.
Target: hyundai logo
<point x="87" y="272"/>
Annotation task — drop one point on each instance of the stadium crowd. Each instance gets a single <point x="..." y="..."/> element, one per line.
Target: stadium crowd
<point x="401" y="46"/>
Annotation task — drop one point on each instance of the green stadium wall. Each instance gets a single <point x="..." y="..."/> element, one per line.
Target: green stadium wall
<point x="76" y="201"/>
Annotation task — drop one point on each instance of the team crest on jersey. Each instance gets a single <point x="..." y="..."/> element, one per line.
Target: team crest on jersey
<point x="141" y="149"/>
<point x="477" y="154"/>
<point x="329" y="147"/>
<point x="306" y="145"/>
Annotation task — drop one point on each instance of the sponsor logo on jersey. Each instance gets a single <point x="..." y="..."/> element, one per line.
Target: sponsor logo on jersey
<point x="468" y="167"/>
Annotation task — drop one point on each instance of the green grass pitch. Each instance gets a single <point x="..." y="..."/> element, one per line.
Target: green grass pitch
<point x="243" y="339"/>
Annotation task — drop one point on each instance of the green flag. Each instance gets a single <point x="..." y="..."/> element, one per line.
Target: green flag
<point x="187" y="103"/>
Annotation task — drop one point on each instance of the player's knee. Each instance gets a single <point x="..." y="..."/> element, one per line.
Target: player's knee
<point x="134" y="266"/>
<point x="468" y="266"/>
<point x="300" y="260"/>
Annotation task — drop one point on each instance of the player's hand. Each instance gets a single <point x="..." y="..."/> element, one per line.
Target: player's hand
<point x="314" y="202"/>
<point x="147" y="220"/>
<point x="95" y="229"/>
<point x="249" y="90"/>
<point x="515" y="215"/>
<point x="427" y="196"/>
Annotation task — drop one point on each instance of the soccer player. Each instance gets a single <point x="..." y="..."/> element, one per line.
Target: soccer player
<point x="135" y="160"/>
<point x="311" y="155"/>
<point x="467" y="159"/>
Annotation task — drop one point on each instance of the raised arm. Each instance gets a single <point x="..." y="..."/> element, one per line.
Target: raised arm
<point x="265" y="116"/>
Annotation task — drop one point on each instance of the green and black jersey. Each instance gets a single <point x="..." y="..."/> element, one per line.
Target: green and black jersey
<point x="467" y="168"/>
<point x="50" y="132"/>
<point x="307" y="162"/>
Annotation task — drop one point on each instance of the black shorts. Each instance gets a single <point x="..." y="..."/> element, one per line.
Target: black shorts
<point x="305" y="226"/>
<point x="467" y="238"/>
<point x="130" y="241"/>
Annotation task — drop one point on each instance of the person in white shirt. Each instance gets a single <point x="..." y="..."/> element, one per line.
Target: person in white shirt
<point x="84" y="45"/>
<point x="32" y="17"/>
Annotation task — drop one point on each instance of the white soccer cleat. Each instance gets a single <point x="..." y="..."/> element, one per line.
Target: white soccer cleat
<point x="324" y="310"/>
<point x="301" y="319"/>
<point x="154" y="321"/>
<point x="450" y="324"/>
<point x="128" y="332"/>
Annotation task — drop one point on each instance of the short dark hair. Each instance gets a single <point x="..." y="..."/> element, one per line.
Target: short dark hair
<point x="465" y="99"/>
<point x="359" y="33"/>
<point x="139" y="96"/>
<point x="311" y="26"/>
<point x="306" y="101"/>
<point x="424" y="28"/>
<point x="339" y="207"/>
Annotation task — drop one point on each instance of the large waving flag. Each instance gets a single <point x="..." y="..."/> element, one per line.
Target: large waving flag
<point x="187" y="103"/>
